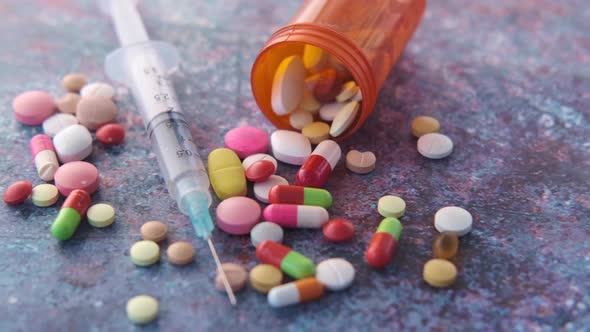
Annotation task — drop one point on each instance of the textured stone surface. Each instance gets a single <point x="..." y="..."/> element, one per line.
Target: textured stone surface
<point x="509" y="81"/>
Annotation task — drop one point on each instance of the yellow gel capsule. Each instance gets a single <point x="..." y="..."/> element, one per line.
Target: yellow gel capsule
<point x="226" y="173"/>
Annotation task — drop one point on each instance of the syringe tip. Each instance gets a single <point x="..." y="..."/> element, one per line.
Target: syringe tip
<point x="197" y="207"/>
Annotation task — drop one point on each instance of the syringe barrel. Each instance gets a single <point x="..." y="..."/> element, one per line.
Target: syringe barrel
<point x="178" y="157"/>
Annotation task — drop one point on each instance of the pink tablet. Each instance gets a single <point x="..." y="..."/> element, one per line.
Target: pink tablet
<point x="246" y="141"/>
<point x="76" y="175"/>
<point x="238" y="215"/>
<point x="33" y="107"/>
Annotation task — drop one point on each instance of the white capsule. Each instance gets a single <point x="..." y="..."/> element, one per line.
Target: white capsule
<point x="299" y="291"/>
<point x="330" y="150"/>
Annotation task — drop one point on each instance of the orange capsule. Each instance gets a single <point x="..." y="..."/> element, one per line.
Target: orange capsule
<point x="299" y="291"/>
<point x="445" y="245"/>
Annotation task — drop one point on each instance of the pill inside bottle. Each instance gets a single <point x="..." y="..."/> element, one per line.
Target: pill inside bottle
<point x="330" y="60"/>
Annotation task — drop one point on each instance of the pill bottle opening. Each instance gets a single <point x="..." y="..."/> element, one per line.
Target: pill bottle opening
<point x="350" y="61"/>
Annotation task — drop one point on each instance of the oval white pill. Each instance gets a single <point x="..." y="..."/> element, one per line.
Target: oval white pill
<point x="288" y="85"/>
<point x="335" y="273"/>
<point x="257" y="157"/>
<point x="266" y="231"/>
<point x="58" y="121"/>
<point x="349" y="90"/>
<point x="328" y="112"/>
<point x="344" y="119"/>
<point x="453" y="219"/>
<point x="73" y="143"/>
<point x="261" y="189"/>
<point x="435" y="146"/>
<point x="98" y="89"/>
<point x="290" y="147"/>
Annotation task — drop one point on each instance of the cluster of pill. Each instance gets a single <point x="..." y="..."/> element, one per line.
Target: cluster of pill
<point x="143" y="309"/>
<point x="147" y="251"/>
<point x="67" y="140"/>
<point x="452" y="222"/>
<point x="302" y="205"/>
<point x="317" y="93"/>
<point x="431" y="143"/>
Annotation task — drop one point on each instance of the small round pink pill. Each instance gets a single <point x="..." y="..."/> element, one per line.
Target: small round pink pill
<point x="246" y="141"/>
<point x="76" y="175"/>
<point x="238" y="215"/>
<point x="33" y="107"/>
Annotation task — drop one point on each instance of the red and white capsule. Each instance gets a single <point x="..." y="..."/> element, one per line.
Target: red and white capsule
<point x="43" y="153"/>
<point x="318" y="167"/>
<point x="296" y="216"/>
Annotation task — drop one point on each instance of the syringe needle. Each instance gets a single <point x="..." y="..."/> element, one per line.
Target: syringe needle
<point x="228" y="290"/>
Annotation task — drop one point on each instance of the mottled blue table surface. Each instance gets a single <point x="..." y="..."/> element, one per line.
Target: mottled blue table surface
<point x="509" y="81"/>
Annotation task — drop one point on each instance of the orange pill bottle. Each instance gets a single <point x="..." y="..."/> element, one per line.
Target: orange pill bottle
<point x="366" y="36"/>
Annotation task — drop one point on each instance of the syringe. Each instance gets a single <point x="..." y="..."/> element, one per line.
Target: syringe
<point x="144" y="66"/>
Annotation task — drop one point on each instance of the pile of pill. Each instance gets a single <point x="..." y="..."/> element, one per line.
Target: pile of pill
<point x="67" y="140"/>
<point x="317" y="94"/>
<point x="431" y="143"/>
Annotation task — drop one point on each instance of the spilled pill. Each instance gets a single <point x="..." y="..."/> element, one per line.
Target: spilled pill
<point x="296" y="216"/>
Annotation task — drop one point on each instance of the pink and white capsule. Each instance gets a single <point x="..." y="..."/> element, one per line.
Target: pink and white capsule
<point x="296" y="216"/>
<point x="43" y="153"/>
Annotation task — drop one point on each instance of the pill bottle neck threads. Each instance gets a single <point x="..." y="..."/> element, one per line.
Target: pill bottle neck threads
<point x="367" y="39"/>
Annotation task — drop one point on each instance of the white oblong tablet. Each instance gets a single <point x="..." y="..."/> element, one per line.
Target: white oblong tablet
<point x="344" y="119"/>
<point x="256" y="157"/>
<point x="435" y="146"/>
<point x="266" y="231"/>
<point x="73" y="143"/>
<point x="300" y="119"/>
<point x="57" y="122"/>
<point x="335" y="273"/>
<point x="98" y="89"/>
<point x="288" y="85"/>
<point x="261" y="189"/>
<point x="328" y="112"/>
<point x="453" y="219"/>
<point x="290" y="147"/>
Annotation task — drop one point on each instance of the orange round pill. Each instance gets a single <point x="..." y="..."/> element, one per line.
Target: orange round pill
<point x="180" y="253"/>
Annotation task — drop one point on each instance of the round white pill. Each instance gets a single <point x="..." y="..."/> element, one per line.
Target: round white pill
<point x="300" y="119"/>
<point x="261" y="189"/>
<point x="73" y="143"/>
<point x="453" y="219"/>
<point x="58" y="121"/>
<point x="266" y="231"/>
<point x="290" y="147"/>
<point x="256" y="157"/>
<point x="435" y="146"/>
<point x="335" y="273"/>
<point x="98" y="89"/>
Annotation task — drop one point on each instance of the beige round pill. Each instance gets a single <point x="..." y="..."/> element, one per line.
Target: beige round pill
<point x="423" y="125"/>
<point x="439" y="272"/>
<point x="142" y="309"/>
<point x="300" y="119"/>
<point x="154" y="231"/>
<point x="316" y="132"/>
<point x="101" y="215"/>
<point x="144" y="253"/>
<point x="391" y="206"/>
<point x="236" y="274"/>
<point x="45" y="195"/>
<point x="74" y="82"/>
<point x="263" y="277"/>
<point x="360" y="162"/>
<point x="180" y="253"/>
<point x="94" y="111"/>
<point x="68" y="103"/>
